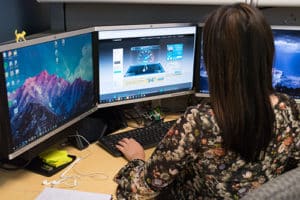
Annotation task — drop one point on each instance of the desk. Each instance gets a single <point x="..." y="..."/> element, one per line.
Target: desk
<point x="26" y="185"/>
<point x="23" y="184"/>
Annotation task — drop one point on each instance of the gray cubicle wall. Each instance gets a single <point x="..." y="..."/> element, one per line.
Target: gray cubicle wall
<point x="37" y="17"/>
<point x="72" y="16"/>
<point x="79" y="15"/>
<point x="28" y="15"/>
<point x="282" y="15"/>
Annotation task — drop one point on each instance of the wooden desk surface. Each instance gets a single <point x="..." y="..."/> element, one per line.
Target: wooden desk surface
<point x="26" y="185"/>
<point x="23" y="184"/>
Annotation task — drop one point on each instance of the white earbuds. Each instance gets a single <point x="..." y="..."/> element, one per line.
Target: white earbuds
<point x="45" y="182"/>
<point x="63" y="178"/>
<point x="55" y="182"/>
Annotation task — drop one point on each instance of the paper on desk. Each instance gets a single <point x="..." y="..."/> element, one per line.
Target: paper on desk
<point x="63" y="194"/>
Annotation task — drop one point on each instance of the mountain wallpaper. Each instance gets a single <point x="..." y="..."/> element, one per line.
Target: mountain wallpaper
<point x="286" y="84"/>
<point x="55" y="85"/>
<point x="286" y="71"/>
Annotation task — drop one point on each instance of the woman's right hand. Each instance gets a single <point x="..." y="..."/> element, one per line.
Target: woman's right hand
<point x="131" y="149"/>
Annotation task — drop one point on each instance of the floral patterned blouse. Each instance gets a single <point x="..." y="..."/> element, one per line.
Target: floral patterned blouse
<point x="190" y="163"/>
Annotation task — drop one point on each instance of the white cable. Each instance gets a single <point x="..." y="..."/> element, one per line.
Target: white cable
<point x="63" y="178"/>
<point x="96" y="175"/>
<point x="71" y="181"/>
<point x="70" y="167"/>
<point x="80" y="136"/>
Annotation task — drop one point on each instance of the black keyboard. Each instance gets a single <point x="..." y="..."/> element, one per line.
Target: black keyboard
<point x="148" y="136"/>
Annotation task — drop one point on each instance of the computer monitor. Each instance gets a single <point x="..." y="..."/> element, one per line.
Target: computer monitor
<point x="47" y="85"/>
<point x="145" y="62"/>
<point x="286" y="67"/>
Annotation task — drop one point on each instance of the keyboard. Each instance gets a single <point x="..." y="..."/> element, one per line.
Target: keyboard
<point x="148" y="136"/>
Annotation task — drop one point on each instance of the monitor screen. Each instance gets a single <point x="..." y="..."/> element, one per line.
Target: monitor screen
<point x="286" y="67"/>
<point x="145" y="63"/>
<point x="49" y="85"/>
<point x="286" y="70"/>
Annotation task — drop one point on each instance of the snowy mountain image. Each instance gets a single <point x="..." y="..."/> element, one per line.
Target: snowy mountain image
<point x="45" y="100"/>
<point x="286" y="84"/>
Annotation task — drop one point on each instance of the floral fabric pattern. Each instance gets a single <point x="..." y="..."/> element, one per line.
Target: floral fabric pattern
<point x="190" y="163"/>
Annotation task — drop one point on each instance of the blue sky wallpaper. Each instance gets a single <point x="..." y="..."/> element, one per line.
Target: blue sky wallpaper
<point x="286" y="66"/>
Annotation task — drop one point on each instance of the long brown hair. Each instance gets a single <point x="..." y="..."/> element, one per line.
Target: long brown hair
<point x="238" y="51"/>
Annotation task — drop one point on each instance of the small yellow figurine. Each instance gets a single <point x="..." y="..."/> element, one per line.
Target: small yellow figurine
<point x="20" y="36"/>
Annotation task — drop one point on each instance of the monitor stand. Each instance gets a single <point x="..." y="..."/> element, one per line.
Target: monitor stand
<point x="38" y="166"/>
<point x="35" y="165"/>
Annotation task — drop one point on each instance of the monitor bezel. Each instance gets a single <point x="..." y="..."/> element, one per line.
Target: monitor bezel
<point x="197" y="62"/>
<point x="154" y="97"/>
<point x="5" y="134"/>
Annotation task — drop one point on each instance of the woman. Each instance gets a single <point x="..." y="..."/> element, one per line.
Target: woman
<point x="246" y="135"/>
